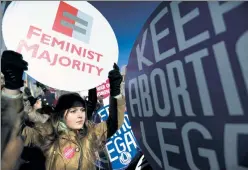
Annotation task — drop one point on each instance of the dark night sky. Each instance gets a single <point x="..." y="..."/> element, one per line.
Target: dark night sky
<point x="127" y="19"/>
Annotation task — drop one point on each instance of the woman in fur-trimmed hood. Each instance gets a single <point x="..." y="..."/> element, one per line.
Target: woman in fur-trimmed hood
<point x="71" y="141"/>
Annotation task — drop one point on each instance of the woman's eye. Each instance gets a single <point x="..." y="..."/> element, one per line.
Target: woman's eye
<point x="73" y="111"/>
<point x="82" y="110"/>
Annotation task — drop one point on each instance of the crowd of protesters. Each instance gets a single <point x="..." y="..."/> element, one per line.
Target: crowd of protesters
<point x="38" y="134"/>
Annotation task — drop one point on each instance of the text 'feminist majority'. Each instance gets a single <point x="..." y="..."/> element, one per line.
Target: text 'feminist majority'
<point x="55" y="59"/>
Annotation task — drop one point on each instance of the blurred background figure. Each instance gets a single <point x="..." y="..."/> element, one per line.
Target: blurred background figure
<point x="2" y="80"/>
<point x="12" y="67"/>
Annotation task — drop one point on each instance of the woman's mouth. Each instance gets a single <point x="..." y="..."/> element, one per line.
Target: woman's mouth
<point x="80" y="122"/>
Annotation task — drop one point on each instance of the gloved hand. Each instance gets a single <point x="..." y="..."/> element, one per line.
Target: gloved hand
<point x="27" y="91"/>
<point x="12" y="67"/>
<point x="115" y="79"/>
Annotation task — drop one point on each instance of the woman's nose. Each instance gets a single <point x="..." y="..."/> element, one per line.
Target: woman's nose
<point x="79" y="114"/>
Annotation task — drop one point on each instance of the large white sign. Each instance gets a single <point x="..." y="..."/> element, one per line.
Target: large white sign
<point x="68" y="45"/>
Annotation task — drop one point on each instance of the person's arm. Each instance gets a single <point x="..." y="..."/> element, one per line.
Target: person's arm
<point x="36" y="134"/>
<point x="11" y="142"/>
<point x="116" y="107"/>
<point x="121" y="107"/>
<point x="12" y="67"/>
<point x="12" y="109"/>
<point x="117" y="102"/>
<point x="116" y="114"/>
<point x="35" y="125"/>
<point x="11" y="114"/>
<point x="91" y="102"/>
<point x="33" y="114"/>
<point x="37" y="117"/>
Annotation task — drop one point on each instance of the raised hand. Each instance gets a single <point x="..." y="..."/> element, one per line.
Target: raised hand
<point x="12" y="67"/>
<point x="115" y="79"/>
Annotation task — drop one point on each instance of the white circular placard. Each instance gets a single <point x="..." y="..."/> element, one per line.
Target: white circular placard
<point x="69" y="45"/>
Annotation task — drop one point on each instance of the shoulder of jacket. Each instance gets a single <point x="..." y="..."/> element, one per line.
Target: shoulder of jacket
<point x="11" y="96"/>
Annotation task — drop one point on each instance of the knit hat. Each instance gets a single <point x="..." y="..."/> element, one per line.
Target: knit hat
<point x="68" y="101"/>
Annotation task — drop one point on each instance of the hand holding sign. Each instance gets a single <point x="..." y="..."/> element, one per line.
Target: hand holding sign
<point x="115" y="79"/>
<point x="12" y="66"/>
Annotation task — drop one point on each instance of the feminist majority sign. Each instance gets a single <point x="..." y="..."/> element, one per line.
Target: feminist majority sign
<point x="187" y="86"/>
<point x="122" y="146"/>
<point x="68" y="45"/>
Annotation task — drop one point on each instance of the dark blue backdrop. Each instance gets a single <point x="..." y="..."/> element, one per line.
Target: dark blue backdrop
<point x="126" y="19"/>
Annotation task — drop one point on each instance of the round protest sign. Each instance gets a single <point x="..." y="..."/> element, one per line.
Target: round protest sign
<point x="122" y="146"/>
<point x="69" y="45"/>
<point x="187" y="86"/>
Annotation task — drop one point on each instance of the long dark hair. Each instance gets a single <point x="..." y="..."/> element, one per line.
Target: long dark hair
<point x="90" y="142"/>
<point x="55" y="119"/>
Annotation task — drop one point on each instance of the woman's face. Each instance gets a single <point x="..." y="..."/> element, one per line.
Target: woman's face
<point x="75" y="117"/>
